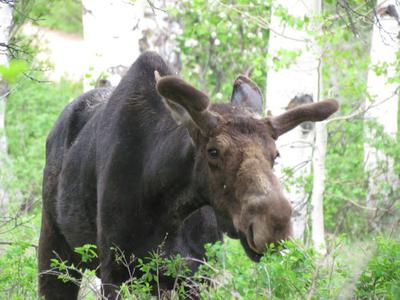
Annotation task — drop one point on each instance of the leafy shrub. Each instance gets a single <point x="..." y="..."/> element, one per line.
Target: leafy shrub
<point x="294" y="273"/>
<point x="297" y="272"/>
<point x="32" y="108"/>
<point x="381" y="279"/>
<point x="18" y="265"/>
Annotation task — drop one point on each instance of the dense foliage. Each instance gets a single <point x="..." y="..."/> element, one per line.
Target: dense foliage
<point x="382" y="276"/>
<point x="227" y="40"/>
<point x="31" y="111"/>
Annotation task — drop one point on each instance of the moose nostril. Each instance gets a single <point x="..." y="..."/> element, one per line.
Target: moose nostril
<point x="251" y="236"/>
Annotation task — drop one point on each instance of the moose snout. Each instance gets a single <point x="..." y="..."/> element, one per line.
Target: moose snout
<point x="266" y="223"/>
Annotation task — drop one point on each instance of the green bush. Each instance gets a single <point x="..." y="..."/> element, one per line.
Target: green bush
<point x="297" y="272"/>
<point x="32" y="108"/>
<point x="381" y="279"/>
<point x="18" y="271"/>
<point x="294" y="273"/>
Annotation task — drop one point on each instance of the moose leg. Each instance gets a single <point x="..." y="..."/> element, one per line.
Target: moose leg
<point x="52" y="242"/>
<point x="112" y="273"/>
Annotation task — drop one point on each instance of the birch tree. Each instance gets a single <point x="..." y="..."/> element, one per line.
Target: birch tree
<point x="383" y="98"/>
<point x="111" y="35"/>
<point x="318" y="160"/>
<point x="117" y="31"/>
<point x="159" y="31"/>
<point x="5" y="27"/>
<point x="301" y="79"/>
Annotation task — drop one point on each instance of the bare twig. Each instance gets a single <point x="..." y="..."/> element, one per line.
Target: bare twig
<point x="13" y="243"/>
<point x="9" y="2"/>
<point x="35" y="79"/>
<point x="260" y="22"/>
<point x="153" y="7"/>
<point x="362" y="110"/>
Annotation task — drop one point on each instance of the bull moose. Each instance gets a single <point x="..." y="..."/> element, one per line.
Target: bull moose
<point x="153" y="162"/>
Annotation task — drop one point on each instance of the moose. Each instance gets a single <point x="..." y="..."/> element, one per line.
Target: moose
<point x="153" y="161"/>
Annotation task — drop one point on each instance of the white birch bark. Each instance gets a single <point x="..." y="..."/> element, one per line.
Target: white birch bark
<point x="159" y="31"/>
<point x="5" y="27"/>
<point x="117" y="31"/>
<point x="300" y="78"/>
<point x="384" y="100"/>
<point x="317" y="197"/>
<point x="111" y="34"/>
<point x="318" y="166"/>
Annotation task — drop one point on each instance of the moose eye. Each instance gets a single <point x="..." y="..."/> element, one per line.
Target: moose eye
<point x="213" y="153"/>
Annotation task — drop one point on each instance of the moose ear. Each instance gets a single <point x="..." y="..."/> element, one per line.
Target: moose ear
<point x="247" y="94"/>
<point x="186" y="104"/>
<point x="308" y="112"/>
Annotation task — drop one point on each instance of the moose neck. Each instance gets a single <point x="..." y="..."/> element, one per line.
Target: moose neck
<point x="174" y="176"/>
<point x="195" y="193"/>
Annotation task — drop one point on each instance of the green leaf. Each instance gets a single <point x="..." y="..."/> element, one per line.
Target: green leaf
<point x="13" y="71"/>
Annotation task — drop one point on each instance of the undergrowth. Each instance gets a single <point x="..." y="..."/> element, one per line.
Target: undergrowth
<point x="295" y="272"/>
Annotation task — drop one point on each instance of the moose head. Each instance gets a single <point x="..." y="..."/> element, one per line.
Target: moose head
<point x="238" y="150"/>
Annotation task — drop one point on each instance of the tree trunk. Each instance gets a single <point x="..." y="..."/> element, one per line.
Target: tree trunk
<point x="5" y="27"/>
<point x="383" y="101"/>
<point x="283" y="85"/>
<point x="114" y="43"/>
<point x="111" y="35"/>
<point x="318" y="165"/>
<point x="159" y="31"/>
<point x="317" y="197"/>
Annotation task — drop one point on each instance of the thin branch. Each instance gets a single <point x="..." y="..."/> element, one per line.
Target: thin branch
<point x="8" y="2"/>
<point x="361" y="206"/>
<point x="261" y="23"/>
<point x="10" y="47"/>
<point x="13" y="243"/>
<point x="361" y="110"/>
<point x="352" y="27"/>
<point x="154" y="8"/>
<point x="35" y="79"/>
